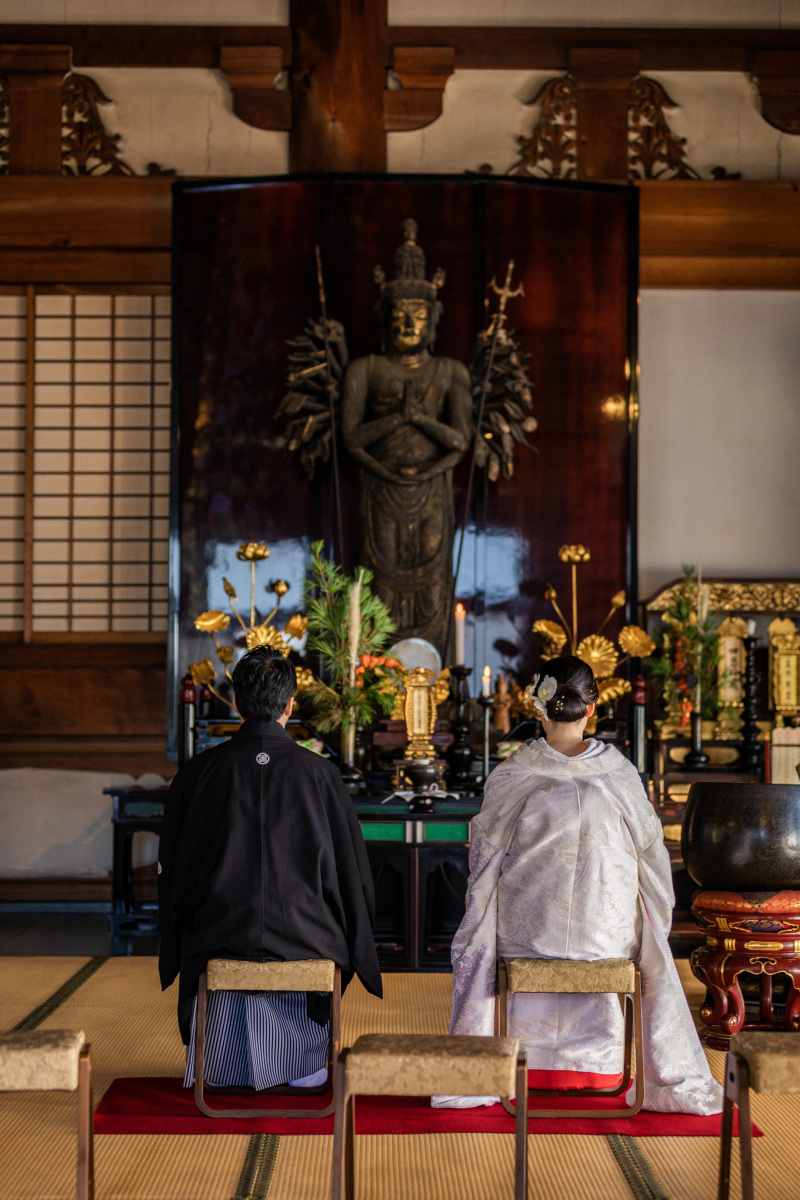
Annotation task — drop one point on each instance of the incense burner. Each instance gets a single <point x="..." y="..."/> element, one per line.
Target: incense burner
<point x="743" y="836"/>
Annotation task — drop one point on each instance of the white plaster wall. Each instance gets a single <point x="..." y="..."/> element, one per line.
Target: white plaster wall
<point x="719" y="114"/>
<point x="58" y="823"/>
<point x="184" y="119"/>
<point x="483" y="113"/>
<point x="719" y="434"/>
<point x="757" y="13"/>
<point x="146" y="12"/>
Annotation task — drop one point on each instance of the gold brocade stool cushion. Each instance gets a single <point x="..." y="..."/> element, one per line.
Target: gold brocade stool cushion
<point x="407" y="1065"/>
<point x="40" y="1060"/>
<point x="773" y="1059"/>
<point x="306" y="975"/>
<point x="571" y="976"/>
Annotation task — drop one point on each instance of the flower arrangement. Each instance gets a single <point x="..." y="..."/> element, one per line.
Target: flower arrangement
<point x="685" y="635"/>
<point x="348" y="626"/>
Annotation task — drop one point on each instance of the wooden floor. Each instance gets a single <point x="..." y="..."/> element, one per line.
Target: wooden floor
<point x="132" y="1026"/>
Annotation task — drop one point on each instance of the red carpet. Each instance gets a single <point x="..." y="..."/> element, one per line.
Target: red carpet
<point x="165" y="1106"/>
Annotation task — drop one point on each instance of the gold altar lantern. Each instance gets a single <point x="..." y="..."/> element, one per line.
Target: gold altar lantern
<point x="420" y="712"/>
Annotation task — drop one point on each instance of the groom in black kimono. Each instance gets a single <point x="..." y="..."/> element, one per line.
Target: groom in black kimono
<point x="261" y="854"/>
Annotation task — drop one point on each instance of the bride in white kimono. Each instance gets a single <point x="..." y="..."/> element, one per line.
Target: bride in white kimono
<point x="568" y="861"/>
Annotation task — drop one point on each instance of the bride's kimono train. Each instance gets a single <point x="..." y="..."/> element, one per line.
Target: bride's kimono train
<point x="568" y="861"/>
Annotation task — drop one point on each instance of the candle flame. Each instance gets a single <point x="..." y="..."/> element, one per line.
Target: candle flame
<point x="459" y="609"/>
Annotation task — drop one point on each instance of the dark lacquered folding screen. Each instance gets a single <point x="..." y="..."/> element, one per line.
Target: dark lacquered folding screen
<point x="245" y="282"/>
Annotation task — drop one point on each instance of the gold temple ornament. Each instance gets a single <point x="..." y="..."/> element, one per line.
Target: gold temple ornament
<point x="420" y="712"/>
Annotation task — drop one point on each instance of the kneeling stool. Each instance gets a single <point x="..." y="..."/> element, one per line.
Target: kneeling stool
<point x="54" y="1060"/>
<point x="765" y="1062"/>
<point x="575" y="977"/>
<point x="407" y="1065"/>
<point x="234" y="975"/>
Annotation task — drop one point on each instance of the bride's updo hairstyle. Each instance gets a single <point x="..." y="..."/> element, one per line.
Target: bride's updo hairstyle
<point x="576" y="688"/>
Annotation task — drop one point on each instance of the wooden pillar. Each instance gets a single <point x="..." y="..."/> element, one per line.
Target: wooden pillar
<point x="35" y="74"/>
<point x="603" y="78"/>
<point x="338" y="80"/>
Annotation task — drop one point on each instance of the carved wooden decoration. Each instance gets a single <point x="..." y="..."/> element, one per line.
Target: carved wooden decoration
<point x="778" y="76"/>
<point x="86" y="146"/>
<point x="550" y="151"/>
<point x="3" y="125"/>
<point x="654" y="152"/>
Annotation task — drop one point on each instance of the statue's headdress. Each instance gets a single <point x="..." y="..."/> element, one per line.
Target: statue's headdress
<point x="409" y="281"/>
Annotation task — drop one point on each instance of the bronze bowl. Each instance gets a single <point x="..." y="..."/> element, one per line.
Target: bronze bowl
<point x="743" y="836"/>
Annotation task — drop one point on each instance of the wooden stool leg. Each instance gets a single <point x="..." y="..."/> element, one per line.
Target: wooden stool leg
<point x="730" y="1096"/>
<point x="84" y="1189"/>
<point x="521" y="1129"/>
<point x="200" y="1045"/>
<point x="335" y="1031"/>
<point x="349" y="1148"/>
<point x="745" y="1129"/>
<point x="502" y="974"/>
<point x="339" y="1098"/>
<point x="638" y="1042"/>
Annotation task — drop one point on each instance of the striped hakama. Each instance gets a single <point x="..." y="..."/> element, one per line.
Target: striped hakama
<point x="258" y="1040"/>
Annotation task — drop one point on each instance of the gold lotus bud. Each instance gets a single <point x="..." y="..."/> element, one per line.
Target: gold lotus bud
<point x="550" y="593"/>
<point x="212" y="622"/>
<point x="611" y="689"/>
<point x="252" y="552"/>
<point x="618" y="599"/>
<point x="203" y="671"/>
<point x="634" y="641"/>
<point x="296" y="626"/>
<point x="280" y="588"/>
<point x="264" y="635"/>
<point x="305" y="679"/>
<point x="230" y="590"/>
<point x="574" y="554"/>
<point x="599" y="653"/>
<point x="225" y="654"/>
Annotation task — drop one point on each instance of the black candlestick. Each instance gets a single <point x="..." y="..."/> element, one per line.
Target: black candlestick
<point x="459" y="756"/>
<point x="752" y="750"/>
<point x="486" y="703"/>
<point x="697" y="758"/>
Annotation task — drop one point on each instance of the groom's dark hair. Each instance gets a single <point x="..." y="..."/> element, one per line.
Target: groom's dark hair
<point x="263" y="683"/>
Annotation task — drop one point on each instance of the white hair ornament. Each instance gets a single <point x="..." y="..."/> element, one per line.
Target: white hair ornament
<point x="540" y="693"/>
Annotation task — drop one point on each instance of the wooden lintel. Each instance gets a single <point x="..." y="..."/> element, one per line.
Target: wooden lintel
<point x="251" y="72"/>
<point x="34" y="74"/>
<point x="66" y="213"/>
<point x="35" y="58"/>
<point x="530" y="47"/>
<point x="778" y="76"/>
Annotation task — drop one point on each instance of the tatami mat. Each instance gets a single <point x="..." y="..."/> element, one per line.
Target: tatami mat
<point x="132" y="1026"/>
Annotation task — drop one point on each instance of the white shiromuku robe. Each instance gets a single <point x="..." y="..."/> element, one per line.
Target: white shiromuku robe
<point x="568" y="861"/>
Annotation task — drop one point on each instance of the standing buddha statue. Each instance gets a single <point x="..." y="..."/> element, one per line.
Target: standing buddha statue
<point x="407" y="421"/>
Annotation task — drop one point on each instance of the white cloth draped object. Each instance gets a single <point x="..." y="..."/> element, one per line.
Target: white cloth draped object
<point x="568" y="861"/>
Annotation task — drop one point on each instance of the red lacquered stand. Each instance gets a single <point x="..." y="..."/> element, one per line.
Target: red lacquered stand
<point x="754" y="934"/>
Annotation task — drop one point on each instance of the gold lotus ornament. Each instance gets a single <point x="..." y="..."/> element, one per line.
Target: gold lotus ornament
<point x="553" y="636"/>
<point x="202" y="672"/>
<point x="252" y="552"/>
<point x="265" y="635"/>
<point x="213" y="621"/>
<point x="280" y="588"/>
<point x="305" y="679"/>
<point x="296" y="627"/>
<point x="598" y="653"/>
<point x="574" y="554"/>
<point x="225" y="655"/>
<point x="230" y="590"/>
<point x="634" y="642"/>
<point x="609" y="690"/>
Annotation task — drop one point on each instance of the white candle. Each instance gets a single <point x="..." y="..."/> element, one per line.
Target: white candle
<point x="486" y="682"/>
<point x="751" y="628"/>
<point x="461" y="623"/>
